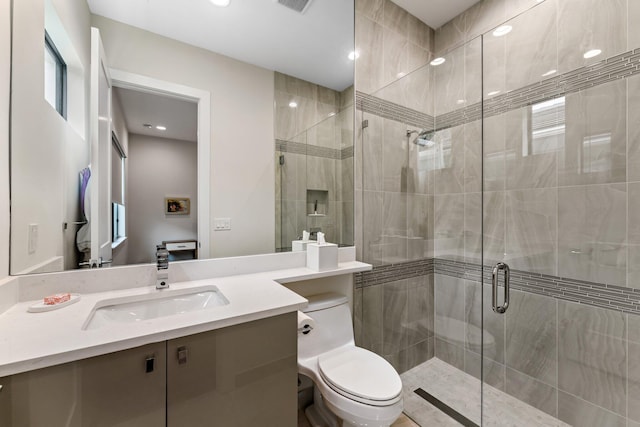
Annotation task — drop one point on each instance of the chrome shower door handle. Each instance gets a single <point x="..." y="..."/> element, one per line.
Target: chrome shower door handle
<point x="500" y="309"/>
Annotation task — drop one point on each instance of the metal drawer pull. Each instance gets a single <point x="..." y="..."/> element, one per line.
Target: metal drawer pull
<point x="494" y="291"/>
<point x="182" y="355"/>
<point x="150" y="364"/>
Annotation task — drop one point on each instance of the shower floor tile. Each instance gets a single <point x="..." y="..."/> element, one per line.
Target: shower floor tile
<point x="461" y="392"/>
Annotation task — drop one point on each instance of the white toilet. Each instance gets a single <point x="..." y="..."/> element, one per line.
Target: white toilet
<point x="353" y="384"/>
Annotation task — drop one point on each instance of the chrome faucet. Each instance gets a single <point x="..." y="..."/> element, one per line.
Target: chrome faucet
<point x="162" y="262"/>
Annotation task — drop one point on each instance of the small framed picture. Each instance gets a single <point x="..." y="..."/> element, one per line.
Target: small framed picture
<point x="177" y="205"/>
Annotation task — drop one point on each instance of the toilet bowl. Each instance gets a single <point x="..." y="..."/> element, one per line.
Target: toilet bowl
<point x="353" y="384"/>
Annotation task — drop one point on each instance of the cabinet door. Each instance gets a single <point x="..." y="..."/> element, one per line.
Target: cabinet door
<point x="240" y="376"/>
<point x="110" y="390"/>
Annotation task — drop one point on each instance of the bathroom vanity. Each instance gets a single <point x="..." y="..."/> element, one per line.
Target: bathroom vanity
<point x="231" y="365"/>
<point x="240" y="375"/>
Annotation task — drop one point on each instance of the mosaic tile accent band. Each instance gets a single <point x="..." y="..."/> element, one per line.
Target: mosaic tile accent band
<point x="392" y="272"/>
<point x="393" y="111"/>
<point x="313" y="150"/>
<point x="617" y="67"/>
<point x="618" y="298"/>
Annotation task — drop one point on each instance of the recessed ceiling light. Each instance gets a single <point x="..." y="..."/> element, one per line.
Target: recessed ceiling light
<point x="502" y="30"/>
<point x="331" y="114"/>
<point x="437" y="61"/>
<point x="495" y="92"/>
<point x="221" y="3"/>
<point x="161" y="127"/>
<point x="592" y="53"/>
<point x="400" y="75"/>
<point x="460" y="101"/>
<point x="354" y="55"/>
<point x="147" y="125"/>
<point x="293" y="104"/>
<point x="548" y="73"/>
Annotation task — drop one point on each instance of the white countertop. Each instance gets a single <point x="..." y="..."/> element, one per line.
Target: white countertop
<point x="31" y="341"/>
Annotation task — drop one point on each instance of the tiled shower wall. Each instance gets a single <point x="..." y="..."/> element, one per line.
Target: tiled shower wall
<point x="315" y="140"/>
<point x="560" y="200"/>
<point x="392" y="315"/>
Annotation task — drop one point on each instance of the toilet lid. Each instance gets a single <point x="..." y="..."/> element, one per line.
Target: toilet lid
<point x="361" y="375"/>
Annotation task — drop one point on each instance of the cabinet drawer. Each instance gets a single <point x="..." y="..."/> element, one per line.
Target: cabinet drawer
<point x="181" y="246"/>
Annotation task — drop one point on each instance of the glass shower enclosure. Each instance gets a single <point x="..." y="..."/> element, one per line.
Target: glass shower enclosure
<point x="498" y="190"/>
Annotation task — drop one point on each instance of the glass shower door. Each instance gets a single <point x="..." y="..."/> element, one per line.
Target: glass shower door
<point x="560" y="208"/>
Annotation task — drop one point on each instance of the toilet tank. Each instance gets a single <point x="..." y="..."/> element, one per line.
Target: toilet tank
<point x="333" y="325"/>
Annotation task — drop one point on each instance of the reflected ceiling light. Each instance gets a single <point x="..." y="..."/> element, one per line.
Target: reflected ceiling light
<point x="400" y="75"/>
<point x="495" y="92"/>
<point x="293" y="104"/>
<point x="460" y="101"/>
<point x="548" y="73"/>
<point x="161" y="127"/>
<point x="331" y="114"/>
<point x="592" y="53"/>
<point x="354" y="55"/>
<point x="221" y="3"/>
<point x="437" y="61"/>
<point x="502" y="30"/>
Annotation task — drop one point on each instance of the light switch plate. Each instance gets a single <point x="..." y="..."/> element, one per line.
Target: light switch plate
<point x="33" y="238"/>
<point x="222" y="224"/>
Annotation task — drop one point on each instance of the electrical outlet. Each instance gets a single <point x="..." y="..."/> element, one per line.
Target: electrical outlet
<point x="222" y="224"/>
<point x="33" y="238"/>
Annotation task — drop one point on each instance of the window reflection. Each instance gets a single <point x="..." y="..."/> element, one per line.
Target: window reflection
<point x="546" y="125"/>
<point x="595" y="155"/>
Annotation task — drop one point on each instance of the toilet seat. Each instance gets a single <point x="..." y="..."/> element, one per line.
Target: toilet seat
<point x="361" y="375"/>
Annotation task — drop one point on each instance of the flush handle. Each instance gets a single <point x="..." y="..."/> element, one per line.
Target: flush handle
<point x="500" y="309"/>
<point x="183" y="353"/>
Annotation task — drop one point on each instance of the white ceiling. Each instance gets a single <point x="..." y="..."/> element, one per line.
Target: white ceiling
<point x="435" y="13"/>
<point x="313" y="46"/>
<point x="178" y="116"/>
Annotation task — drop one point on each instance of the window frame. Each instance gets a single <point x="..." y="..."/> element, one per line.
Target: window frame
<point x="61" y="75"/>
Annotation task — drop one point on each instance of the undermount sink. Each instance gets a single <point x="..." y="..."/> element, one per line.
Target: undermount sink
<point x="162" y="303"/>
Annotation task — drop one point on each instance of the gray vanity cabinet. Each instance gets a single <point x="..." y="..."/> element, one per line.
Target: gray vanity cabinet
<point x="244" y="376"/>
<point x="110" y="390"/>
<point x="240" y="376"/>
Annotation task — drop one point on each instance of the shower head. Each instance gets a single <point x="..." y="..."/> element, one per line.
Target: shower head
<point x="424" y="138"/>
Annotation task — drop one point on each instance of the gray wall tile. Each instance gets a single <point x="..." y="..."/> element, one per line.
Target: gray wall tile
<point x="450" y="353"/>
<point x="592" y="355"/>
<point x="633" y="94"/>
<point x="531" y="336"/>
<point x="394" y="317"/>
<point x="493" y="373"/>
<point x="590" y="24"/>
<point x="578" y="412"/>
<point x="449" y="226"/>
<point x="592" y="233"/>
<point x="529" y="390"/>
<point x="492" y="327"/>
<point x="531" y="46"/>
<point x="595" y="146"/>
<point x="531" y="230"/>
<point x="530" y="161"/>
<point x="449" y="150"/>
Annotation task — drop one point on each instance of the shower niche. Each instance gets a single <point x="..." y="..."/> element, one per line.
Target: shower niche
<point x="317" y="203"/>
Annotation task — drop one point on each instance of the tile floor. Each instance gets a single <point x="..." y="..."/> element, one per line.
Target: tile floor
<point x="461" y="391"/>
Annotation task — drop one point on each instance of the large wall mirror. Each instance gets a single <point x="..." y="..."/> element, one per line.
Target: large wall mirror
<point x="218" y="131"/>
